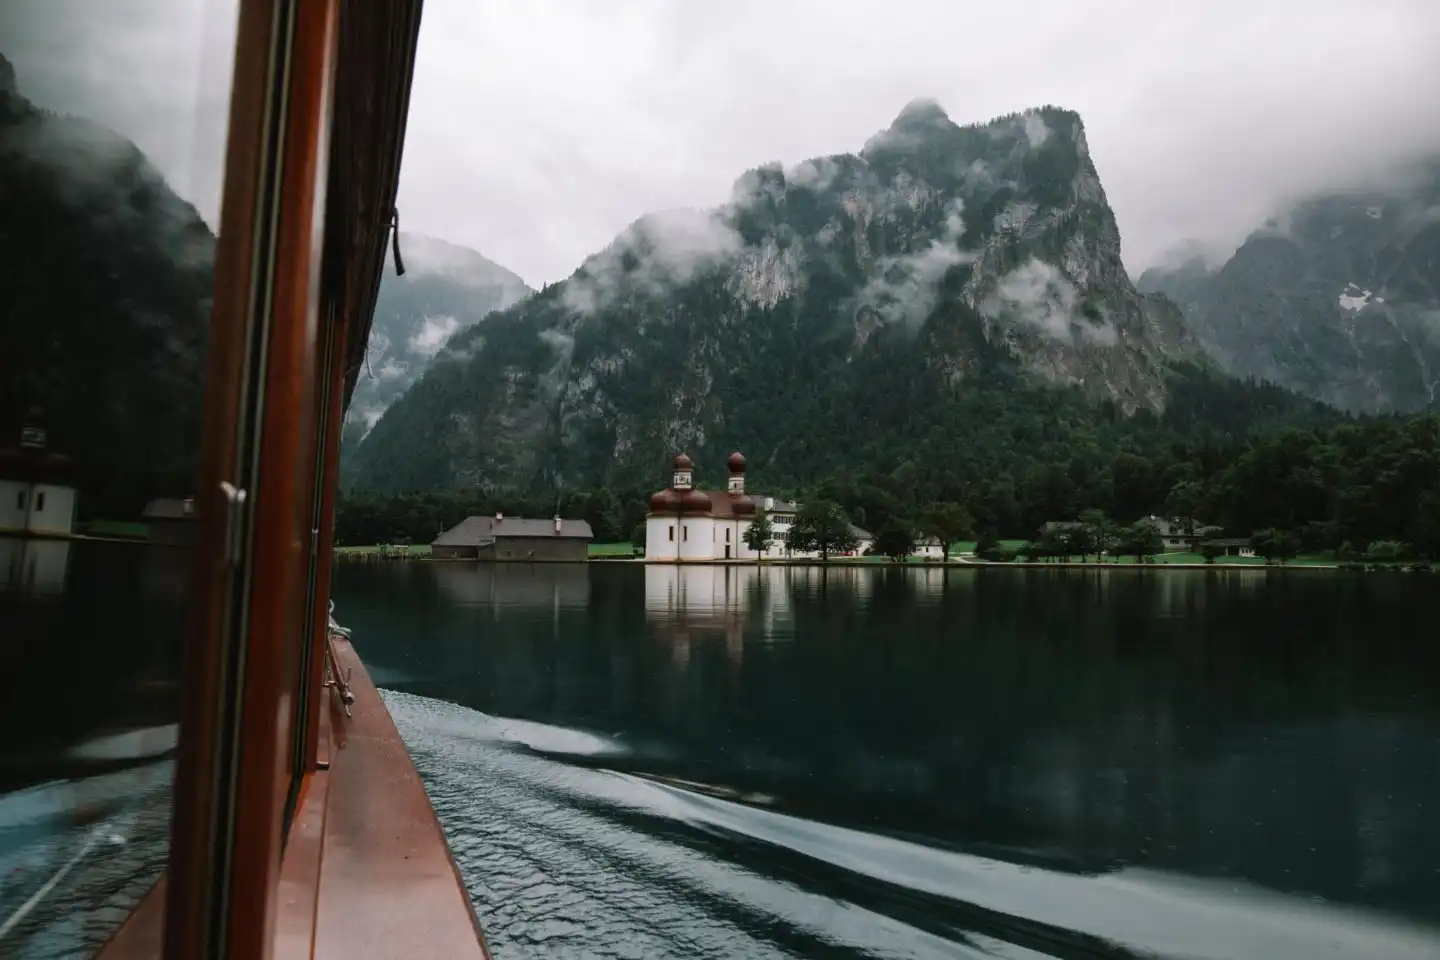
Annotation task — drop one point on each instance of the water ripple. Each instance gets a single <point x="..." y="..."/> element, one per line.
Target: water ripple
<point x="566" y="859"/>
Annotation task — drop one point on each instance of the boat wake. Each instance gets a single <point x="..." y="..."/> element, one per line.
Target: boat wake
<point x="77" y="855"/>
<point x="565" y="855"/>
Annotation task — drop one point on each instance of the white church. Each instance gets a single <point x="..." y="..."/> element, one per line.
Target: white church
<point x="37" y="512"/>
<point x="687" y="524"/>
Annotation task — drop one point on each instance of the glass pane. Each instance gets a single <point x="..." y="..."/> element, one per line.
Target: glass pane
<point x="112" y="132"/>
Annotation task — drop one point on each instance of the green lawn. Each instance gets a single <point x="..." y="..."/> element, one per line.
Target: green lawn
<point x="416" y="550"/>
<point x="626" y="549"/>
<point x="1164" y="558"/>
<point x="968" y="546"/>
<point x="129" y="529"/>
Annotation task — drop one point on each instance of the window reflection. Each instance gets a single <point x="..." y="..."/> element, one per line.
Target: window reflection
<point x="112" y="124"/>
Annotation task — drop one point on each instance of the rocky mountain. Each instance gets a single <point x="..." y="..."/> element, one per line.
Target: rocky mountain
<point x="105" y="278"/>
<point x="1339" y="299"/>
<point x="885" y="306"/>
<point x="446" y="288"/>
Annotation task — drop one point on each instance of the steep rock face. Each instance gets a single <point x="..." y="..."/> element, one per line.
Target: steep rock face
<point x="446" y="288"/>
<point x="105" y="277"/>
<point x="1340" y="300"/>
<point x="850" y="293"/>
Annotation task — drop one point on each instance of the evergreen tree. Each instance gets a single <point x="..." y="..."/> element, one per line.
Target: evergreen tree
<point x="758" y="535"/>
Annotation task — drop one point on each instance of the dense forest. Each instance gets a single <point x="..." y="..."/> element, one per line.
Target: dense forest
<point x="941" y="319"/>
<point x="106" y="277"/>
<point x="920" y="301"/>
<point x="1327" y="480"/>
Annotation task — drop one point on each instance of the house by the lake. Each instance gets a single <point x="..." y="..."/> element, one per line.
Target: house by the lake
<point x="170" y="521"/>
<point x="929" y="548"/>
<point x="37" y="486"/>
<point x="1229" y="546"/>
<point x="37" y="514"/>
<point x="514" y="538"/>
<point x="1181" y="534"/>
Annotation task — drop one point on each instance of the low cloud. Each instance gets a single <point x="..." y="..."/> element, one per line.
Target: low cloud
<point x="391" y="369"/>
<point x="453" y="352"/>
<point x="562" y="343"/>
<point x="432" y="335"/>
<point x="905" y="289"/>
<point x="656" y="253"/>
<point x="1036" y="130"/>
<point x="817" y="174"/>
<point x="1039" y="296"/>
<point x="552" y="381"/>
<point x="1202" y="119"/>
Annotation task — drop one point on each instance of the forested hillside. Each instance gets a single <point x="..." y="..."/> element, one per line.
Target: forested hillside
<point x="950" y="296"/>
<point x="446" y="288"/>
<point x="106" y="275"/>
<point x="1338" y="299"/>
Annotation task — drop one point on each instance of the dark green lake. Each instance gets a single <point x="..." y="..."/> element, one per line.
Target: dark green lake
<point x="660" y="761"/>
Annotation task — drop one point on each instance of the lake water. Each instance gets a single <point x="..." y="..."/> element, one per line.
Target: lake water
<point x="654" y="762"/>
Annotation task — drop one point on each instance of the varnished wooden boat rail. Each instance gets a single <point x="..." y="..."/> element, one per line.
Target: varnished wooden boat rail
<point x="387" y="884"/>
<point x="366" y="873"/>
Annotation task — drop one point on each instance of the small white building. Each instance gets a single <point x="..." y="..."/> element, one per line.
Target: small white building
<point x="37" y="488"/>
<point x="929" y="549"/>
<point x="37" y="514"/>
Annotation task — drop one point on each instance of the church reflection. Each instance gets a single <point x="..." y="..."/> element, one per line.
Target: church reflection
<point x="1235" y="724"/>
<point x="33" y="569"/>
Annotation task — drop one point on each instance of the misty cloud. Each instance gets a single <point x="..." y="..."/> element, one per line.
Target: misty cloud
<point x="157" y="72"/>
<point x="391" y="369"/>
<point x="432" y="335"/>
<point x="562" y="343"/>
<point x="905" y="289"/>
<point x="1202" y="119"/>
<point x="1038" y="295"/>
<point x="461" y="353"/>
<point x="815" y="174"/>
<point x="1036" y="130"/>
<point x="657" y="252"/>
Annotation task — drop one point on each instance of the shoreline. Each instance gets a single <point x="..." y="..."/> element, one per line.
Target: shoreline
<point x="951" y="564"/>
<point x="969" y="564"/>
<point x="878" y="565"/>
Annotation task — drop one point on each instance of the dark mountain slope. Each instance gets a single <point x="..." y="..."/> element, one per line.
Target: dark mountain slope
<point x="949" y="299"/>
<point x="1339" y="300"/>
<point x="106" y="278"/>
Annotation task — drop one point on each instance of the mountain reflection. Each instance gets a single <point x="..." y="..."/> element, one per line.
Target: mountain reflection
<point x="1277" y="728"/>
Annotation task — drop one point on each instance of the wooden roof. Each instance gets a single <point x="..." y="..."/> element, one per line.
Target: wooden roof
<point x="476" y="531"/>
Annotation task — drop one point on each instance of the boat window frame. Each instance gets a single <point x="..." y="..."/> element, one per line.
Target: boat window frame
<point x="245" y="666"/>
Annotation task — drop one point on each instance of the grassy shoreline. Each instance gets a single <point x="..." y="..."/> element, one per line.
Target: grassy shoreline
<point x="961" y="557"/>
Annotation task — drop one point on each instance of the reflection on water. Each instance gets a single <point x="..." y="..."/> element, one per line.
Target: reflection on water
<point x="89" y="699"/>
<point x="883" y="762"/>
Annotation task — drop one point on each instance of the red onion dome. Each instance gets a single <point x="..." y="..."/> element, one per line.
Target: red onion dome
<point x="736" y="463"/>
<point x="683" y="462"/>
<point x="695" y="501"/>
<point x="742" y="506"/>
<point x="666" y="501"/>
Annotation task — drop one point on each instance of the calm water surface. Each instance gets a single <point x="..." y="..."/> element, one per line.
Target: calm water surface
<point x="790" y="762"/>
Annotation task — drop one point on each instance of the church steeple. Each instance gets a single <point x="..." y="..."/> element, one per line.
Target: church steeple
<point x="736" y="463"/>
<point x="32" y="434"/>
<point x="684" y="477"/>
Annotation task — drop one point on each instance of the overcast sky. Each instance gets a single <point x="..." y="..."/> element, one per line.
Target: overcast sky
<point x="540" y="128"/>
